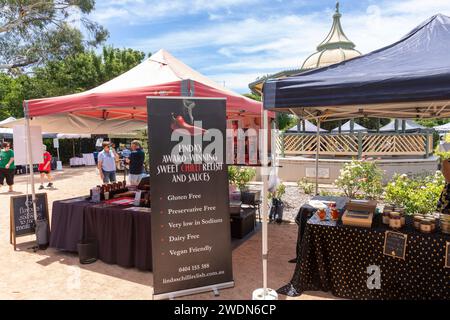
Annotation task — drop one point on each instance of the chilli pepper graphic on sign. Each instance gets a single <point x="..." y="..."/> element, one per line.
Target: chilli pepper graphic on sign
<point x="178" y="122"/>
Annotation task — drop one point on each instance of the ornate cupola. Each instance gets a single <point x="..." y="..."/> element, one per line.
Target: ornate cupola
<point x="334" y="49"/>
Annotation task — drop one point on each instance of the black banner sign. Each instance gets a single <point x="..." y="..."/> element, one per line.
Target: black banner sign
<point x="191" y="241"/>
<point x="22" y="217"/>
<point x="395" y="244"/>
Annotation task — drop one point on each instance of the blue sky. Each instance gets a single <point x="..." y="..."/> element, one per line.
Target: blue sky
<point x="235" y="41"/>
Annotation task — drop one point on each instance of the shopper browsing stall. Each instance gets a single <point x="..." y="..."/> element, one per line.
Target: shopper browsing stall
<point x="107" y="163"/>
<point x="443" y="205"/>
<point x="45" y="168"/>
<point x="7" y="166"/>
<point x="136" y="162"/>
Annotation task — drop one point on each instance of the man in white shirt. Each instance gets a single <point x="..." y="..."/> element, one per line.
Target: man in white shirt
<point x="107" y="163"/>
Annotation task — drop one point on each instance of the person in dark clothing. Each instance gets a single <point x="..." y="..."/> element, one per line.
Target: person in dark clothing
<point x="136" y="163"/>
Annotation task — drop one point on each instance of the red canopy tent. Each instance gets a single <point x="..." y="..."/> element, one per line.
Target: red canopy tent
<point x="124" y="97"/>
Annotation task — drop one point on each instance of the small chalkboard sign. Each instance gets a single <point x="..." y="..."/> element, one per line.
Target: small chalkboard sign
<point x="395" y="244"/>
<point x="21" y="215"/>
<point x="447" y="255"/>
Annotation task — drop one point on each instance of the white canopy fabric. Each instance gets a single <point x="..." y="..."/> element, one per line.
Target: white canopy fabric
<point x="73" y="124"/>
<point x="309" y="127"/>
<point x="6" y="131"/>
<point x="346" y="128"/>
<point x="443" y="128"/>
<point x="7" y="120"/>
<point x="162" y="67"/>
<point x="72" y="136"/>
<point x="409" y="126"/>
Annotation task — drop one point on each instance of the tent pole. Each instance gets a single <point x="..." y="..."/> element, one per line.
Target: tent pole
<point x="30" y="160"/>
<point x="264" y="199"/>
<point x="317" y="156"/>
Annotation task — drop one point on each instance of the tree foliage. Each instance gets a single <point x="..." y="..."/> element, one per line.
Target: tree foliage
<point x="76" y="73"/>
<point x="33" y="32"/>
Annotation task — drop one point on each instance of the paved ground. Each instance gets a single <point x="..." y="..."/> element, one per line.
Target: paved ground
<point x="54" y="275"/>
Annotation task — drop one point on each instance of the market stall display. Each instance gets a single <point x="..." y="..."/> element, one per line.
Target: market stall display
<point x="335" y="258"/>
<point x="123" y="233"/>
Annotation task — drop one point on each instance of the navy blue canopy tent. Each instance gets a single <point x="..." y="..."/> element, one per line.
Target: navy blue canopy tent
<point x="408" y="79"/>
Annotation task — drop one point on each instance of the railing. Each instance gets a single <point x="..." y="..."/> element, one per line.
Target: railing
<point x="358" y="144"/>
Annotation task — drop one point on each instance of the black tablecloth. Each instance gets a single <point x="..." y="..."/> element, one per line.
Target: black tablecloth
<point x="123" y="236"/>
<point x="335" y="259"/>
<point x="306" y="211"/>
<point x="67" y="224"/>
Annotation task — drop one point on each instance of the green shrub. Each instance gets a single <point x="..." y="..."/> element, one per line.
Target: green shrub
<point x="306" y="186"/>
<point x="240" y="176"/>
<point x="328" y="193"/>
<point x="416" y="194"/>
<point x="442" y="155"/>
<point x="361" y="178"/>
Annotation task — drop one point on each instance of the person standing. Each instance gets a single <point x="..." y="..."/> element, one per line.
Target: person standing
<point x="107" y="163"/>
<point x="45" y="168"/>
<point x="136" y="163"/>
<point x="7" y="166"/>
<point x="443" y="205"/>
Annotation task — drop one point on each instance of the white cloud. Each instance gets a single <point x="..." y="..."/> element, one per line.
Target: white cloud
<point x="142" y="11"/>
<point x="237" y="51"/>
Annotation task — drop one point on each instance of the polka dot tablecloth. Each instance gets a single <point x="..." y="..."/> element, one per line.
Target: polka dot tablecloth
<point x="335" y="258"/>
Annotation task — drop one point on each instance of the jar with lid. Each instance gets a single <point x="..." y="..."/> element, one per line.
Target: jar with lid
<point x="395" y="220"/>
<point x="418" y="218"/>
<point x="425" y="226"/>
<point x="432" y="221"/>
<point x="402" y="218"/>
<point x="445" y="226"/>
<point x="386" y="216"/>
<point x="322" y="214"/>
<point x="334" y="212"/>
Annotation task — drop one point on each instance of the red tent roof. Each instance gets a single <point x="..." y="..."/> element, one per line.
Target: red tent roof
<point x="125" y="96"/>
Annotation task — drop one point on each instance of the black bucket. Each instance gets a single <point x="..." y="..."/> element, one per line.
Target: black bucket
<point x="87" y="251"/>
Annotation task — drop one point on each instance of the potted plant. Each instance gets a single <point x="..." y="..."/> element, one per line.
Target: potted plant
<point x="239" y="177"/>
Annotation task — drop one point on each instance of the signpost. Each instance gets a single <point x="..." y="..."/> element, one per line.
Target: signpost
<point x="56" y="146"/>
<point x="395" y="244"/>
<point x="191" y="241"/>
<point x="20" y="139"/>
<point x="22" y="221"/>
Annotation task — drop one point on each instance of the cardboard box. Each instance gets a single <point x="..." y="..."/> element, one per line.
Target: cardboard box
<point x="362" y="219"/>
<point x="362" y="205"/>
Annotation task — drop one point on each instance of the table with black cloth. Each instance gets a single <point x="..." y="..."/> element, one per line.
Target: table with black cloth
<point x="67" y="224"/>
<point x="306" y="211"/>
<point x="335" y="258"/>
<point x="123" y="236"/>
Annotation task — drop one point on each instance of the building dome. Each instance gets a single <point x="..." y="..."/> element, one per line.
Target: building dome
<point x="334" y="49"/>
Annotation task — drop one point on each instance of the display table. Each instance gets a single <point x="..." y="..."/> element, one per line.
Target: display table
<point x="335" y="258"/>
<point x="86" y="160"/>
<point x="243" y="223"/>
<point x="305" y="213"/>
<point x="76" y="162"/>
<point x="123" y="236"/>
